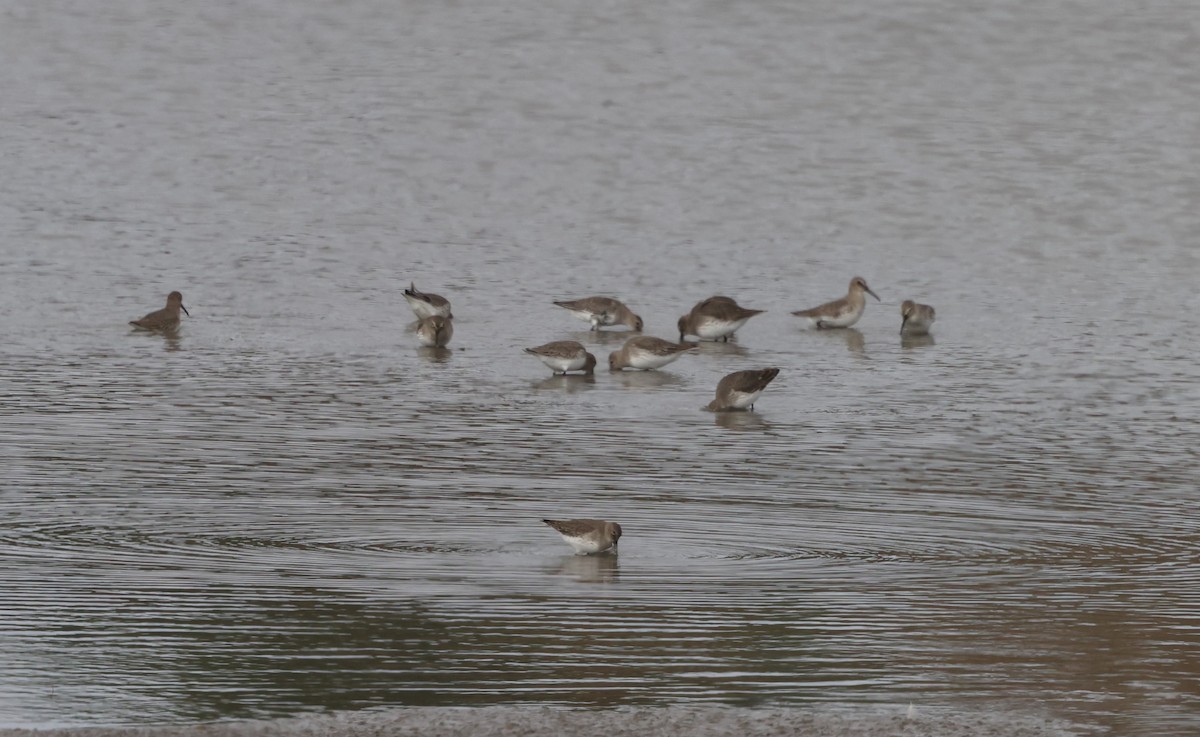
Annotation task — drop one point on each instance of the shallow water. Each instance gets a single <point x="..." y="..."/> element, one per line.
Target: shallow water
<point x="534" y="721"/>
<point x="288" y="507"/>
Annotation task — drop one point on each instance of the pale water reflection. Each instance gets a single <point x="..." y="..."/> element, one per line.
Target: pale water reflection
<point x="917" y="341"/>
<point x="722" y="348"/>
<point x="637" y="379"/>
<point x="434" y="354"/>
<point x="744" y="420"/>
<point x="566" y="382"/>
<point x="610" y="338"/>
<point x="604" y="568"/>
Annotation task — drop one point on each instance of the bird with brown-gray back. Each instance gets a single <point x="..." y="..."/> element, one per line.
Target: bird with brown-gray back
<point x="915" y="319"/>
<point x="425" y="305"/>
<point x="165" y="319"/>
<point x="840" y="313"/>
<point x="602" y="312"/>
<point x="564" y="355"/>
<point x="587" y="536"/>
<point x="646" y="352"/>
<point x="716" y="318"/>
<point x="740" y="389"/>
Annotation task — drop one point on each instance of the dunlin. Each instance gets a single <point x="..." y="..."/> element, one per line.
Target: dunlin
<point x="916" y="319"/>
<point x="715" y="318"/>
<point x="587" y="536"/>
<point x="165" y="319"/>
<point x="564" y="355"/>
<point x="739" y="389"/>
<point x="435" y="331"/>
<point x="426" y="305"/>
<point x="602" y="311"/>
<point x="840" y="313"/>
<point x="646" y="352"/>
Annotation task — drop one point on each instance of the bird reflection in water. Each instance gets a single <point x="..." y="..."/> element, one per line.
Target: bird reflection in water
<point x="565" y="382"/>
<point x="852" y="337"/>
<point x="435" y="355"/>
<point x="916" y="341"/>
<point x="730" y="348"/>
<point x="855" y="343"/>
<point x="645" y="379"/>
<point x="600" y="568"/>
<point x="171" y="337"/>
<point x="741" y="421"/>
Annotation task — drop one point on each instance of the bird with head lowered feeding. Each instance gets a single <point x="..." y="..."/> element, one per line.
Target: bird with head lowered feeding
<point x="740" y="389"/>
<point x="915" y="319"/>
<point x="716" y="318"/>
<point x="425" y="305"/>
<point x="564" y="355"/>
<point x="602" y="311"/>
<point x="587" y="536"/>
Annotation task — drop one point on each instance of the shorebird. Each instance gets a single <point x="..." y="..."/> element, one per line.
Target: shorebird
<point x="916" y="318"/>
<point x="587" y="536"/>
<point x="564" y="355"/>
<point x="646" y="352"/>
<point x="602" y="311"/>
<point x="426" y="305"/>
<point x="435" y="331"/>
<point x="165" y="319"/>
<point x="716" y="318"/>
<point x="739" y="389"/>
<point x="840" y="313"/>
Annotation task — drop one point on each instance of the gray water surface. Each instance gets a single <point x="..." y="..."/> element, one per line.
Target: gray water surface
<point x="288" y="508"/>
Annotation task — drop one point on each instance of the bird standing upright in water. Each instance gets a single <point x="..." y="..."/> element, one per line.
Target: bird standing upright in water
<point x="165" y="319"/>
<point x="840" y="313"/>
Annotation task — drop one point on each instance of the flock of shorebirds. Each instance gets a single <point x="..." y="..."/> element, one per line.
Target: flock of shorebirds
<point x="716" y="318"/>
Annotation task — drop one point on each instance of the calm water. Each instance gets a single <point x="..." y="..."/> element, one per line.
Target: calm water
<point x="288" y="508"/>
